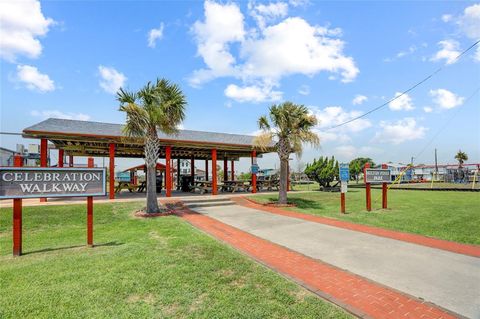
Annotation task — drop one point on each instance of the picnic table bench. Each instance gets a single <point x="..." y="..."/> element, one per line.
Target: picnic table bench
<point x="126" y="185"/>
<point x="268" y="184"/>
<point x="202" y="186"/>
<point x="234" y="186"/>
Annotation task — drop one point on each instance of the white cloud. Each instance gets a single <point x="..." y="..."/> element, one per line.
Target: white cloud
<point x="253" y="93"/>
<point x="60" y="115"/>
<point x="304" y="90"/>
<point x="449" y="51"/>
<point x="400" y="131"/>
<point x="223" y="25"/>
<point x="154" y="35"/>
<point x="359" y="99"/>
<point x="33" y="79"/>
<point x="22" y="23"/>
<point x="350" y="151"/>
<point x="265" y="13"/>
<point x="404" y="103"/>
<point x="111" y="79"/>
<point x="334" y="115"/>
<point x="446" y="99"/>
<point x="447" y="17"/>
<point x="428" y="109"/>
<point x="265" y="54"/>
<point x="469" y="22"/>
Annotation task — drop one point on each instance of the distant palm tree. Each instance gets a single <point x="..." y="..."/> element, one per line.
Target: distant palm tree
<point x="288" y="127"/>
<point x="156" y="107"/>
<point x="461" y="157"/>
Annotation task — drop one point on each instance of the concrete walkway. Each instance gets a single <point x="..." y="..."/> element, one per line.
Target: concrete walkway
<point x="447" y="279"/>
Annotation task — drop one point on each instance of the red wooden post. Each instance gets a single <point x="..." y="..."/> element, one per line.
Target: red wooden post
<point x="233" y="170"/>
<point x="111" y="191"/>
<point x="368" y="191"/>
<point x="70" y="161"/>
<point x="206" y="169"/>
<point x="225" y="169"/>
<point x="17" y="216"/>
<point x="43" y="158"/>
<point x="61" y="155"/>
<point x="90" y="212"/>
<point x="214" y="172"/>
<point x="168" y="175"/>
<point x="254" y="176"/>
<point x="342" y="202"/>
<point x="384" y="191"/>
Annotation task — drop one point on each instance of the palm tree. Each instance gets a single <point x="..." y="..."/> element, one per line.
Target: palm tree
<point x="156" y="107"/>
<point x="289" y="127"/>
<point x="461" y="157"/>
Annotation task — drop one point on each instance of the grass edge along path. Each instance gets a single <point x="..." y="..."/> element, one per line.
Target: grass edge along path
<point x="362" y="297"/>
<point x="459" y="248"/>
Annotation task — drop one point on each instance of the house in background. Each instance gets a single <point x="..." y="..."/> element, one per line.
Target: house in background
<point x="31" y="156"/>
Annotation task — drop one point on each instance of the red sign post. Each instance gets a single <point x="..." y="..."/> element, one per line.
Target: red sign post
<point x="368" y="190"/>
<point x="384" y="191"/>
<point x="90" y="212"/>
<point x="17" y="216"/>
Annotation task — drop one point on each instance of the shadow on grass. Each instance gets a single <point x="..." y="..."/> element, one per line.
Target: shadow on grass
<point x="109" y="244"/>
<point x="301" y="203"/>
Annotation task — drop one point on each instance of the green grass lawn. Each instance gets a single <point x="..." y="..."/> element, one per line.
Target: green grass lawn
<point x="447" y="215"/>
<point x="141" y="268"/>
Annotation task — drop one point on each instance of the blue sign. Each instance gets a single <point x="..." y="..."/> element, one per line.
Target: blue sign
<point x="255" y="169"/>
<point x="122" y="177"/>
<point x="344" y="172"/>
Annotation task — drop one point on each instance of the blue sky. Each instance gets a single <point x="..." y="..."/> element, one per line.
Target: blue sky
<point x="234" y="59"/>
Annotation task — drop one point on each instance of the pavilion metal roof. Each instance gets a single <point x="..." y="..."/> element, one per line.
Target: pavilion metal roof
<point x="70" y="133"/>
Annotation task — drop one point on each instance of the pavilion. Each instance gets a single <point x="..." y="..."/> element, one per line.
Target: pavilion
<point x="96" y="139"/>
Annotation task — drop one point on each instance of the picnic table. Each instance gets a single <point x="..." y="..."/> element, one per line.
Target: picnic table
<point x="202" y="186"/>
<point x="233" y="186"/>
<point x="142" y="186"/>
<point x="268" y="184"/>
<point x="125" y="185"/>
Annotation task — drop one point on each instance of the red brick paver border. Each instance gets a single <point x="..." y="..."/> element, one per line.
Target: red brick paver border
<point x="356" y="294"/>
<point x="464" y="249"/>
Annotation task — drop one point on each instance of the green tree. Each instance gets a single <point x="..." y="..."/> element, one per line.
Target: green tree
<point x="245" y="176"/>
<point x="461" y="157"/>
<point x="287" y="127"/>
<point x="356" y="167"/>
<point x="324" y="171"/>
<point x="156" y="107"/>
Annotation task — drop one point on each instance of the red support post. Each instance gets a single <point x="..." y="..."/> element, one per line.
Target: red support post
<point x="43" y="158"/>
<point x="111" y="192"/>
<point x="368" y="191"/>
<point x="61" y="156"/>
<point x="254" y="176"/>
<point x="17" y="216"/>
<point x="70" y="161"/>
<point x="168" y="173"/>
<point x="214" y="172"/>
<point x="206" y="169"/>
<point x="225" y="169"/>
<point x="90" y="212"/>
<point x="384" y="191"/>
<point x="233" y="170"/>
<point x="342" y="202"/>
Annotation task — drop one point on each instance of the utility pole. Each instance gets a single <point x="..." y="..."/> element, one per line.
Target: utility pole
<point x="436" y="163"/>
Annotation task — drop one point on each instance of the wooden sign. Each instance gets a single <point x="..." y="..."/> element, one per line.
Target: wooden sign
<point x="373" y="175"/>
<point x="37" y="182"/>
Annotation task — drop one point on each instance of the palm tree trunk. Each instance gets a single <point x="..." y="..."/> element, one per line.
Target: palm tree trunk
<point x="151" y="155"/>
<point x="152" y="204"/>
<point x="282" y="194"/>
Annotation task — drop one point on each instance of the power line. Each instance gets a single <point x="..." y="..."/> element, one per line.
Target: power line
<point x="10" y="133"/>
<point x="404" y="92"/>
<point x="447" y="122"/>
